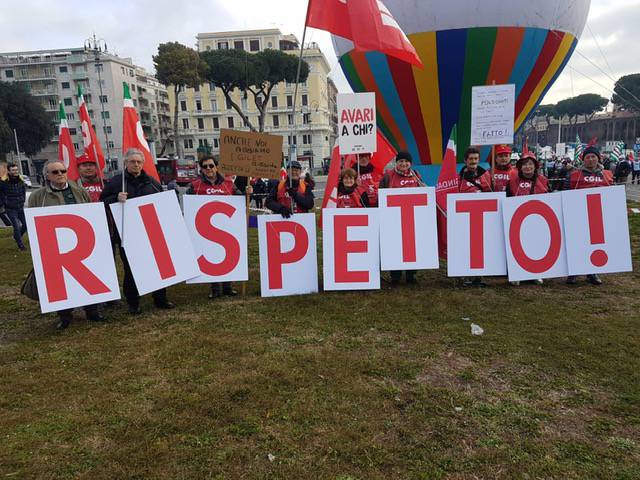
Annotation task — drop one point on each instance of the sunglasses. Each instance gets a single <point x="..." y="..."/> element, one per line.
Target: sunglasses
<point x="58" y="172"/>
<point x="208" y="166"/>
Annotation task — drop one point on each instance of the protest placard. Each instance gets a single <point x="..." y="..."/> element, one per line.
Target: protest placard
<point x="492" y="114"/>
<point x="357" y="123"/>
<point x="250" y="154"/>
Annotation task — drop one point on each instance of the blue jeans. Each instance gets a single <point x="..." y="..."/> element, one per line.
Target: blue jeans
<point x="19" y="225"/>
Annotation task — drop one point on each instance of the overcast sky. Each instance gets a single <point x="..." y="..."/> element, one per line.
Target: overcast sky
<point x="134" y="28"/>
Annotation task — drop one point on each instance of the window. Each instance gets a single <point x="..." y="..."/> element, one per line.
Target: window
<point x="254" y="45"/>
<point x="245" y="122"/>
<point x="223" y="45"/>
<point x="63" y="69"/>
<point x="196" y="88"/>
<point x="72" y="116"/>
<point x="107" y="129"/>
<point x="305" y="100"/>
<point x="216" y="123"/>
<point x="276" y="121"/>
<point x="183" y="105"/>
<point x="295" y="140"/>
<point x="215" y="143"/>
<point x="87" y="98"/>
<point x="99" y="67"/>
<point x="270" y="45"/>
<point x="228" y="103"/>
<point x="238" y="45"/>
<point x="135" y="102"/>
<point x="76" y="146"/>
<point x="230" y="122"/>
<point x="73" y="131"/>
<point x="8" y="73"/>
<point x="188" y="143"/>
<point x="47" y="72"/>
<point x="66" y="86"/>
<point x="290" y="119"/>
<point x="214" y="105"/>
<point x="202" y="142"/>
<point x="52" y="103"/>
<point x="274" y="102"/>
<point x="68" y="102"/>
<point x="306" y="118"/>
<point x="307" y="139"/>
<point x="130" y="73"/>
<point x="198" y="105"/>
<point x="201" y="124"/>
<point x="185" y="123"/>
<point x="212" y="86"/>
<point x="111" y="144"/>
<point x="103" y="99"/>
<point x="123" y="72"/>
<point x="289" y="101"/>
<point x="105" y="115"/>
<point x="243" y="103"/>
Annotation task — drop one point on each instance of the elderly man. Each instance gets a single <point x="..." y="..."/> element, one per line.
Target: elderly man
<point x="287" y="198"/>
<point x="89" y="178"/>
<point x="137" y="184"/>
<point x="13" y="192"/>
<point x="58" y="190"/>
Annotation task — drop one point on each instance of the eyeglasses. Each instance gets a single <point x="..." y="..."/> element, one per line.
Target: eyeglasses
<point x="58" y="172"/>
<point x="208" y="166"/>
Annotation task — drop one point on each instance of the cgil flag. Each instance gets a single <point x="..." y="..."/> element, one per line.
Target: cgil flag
<point x="133" y="136"/>
<point x="448" y="182"/>
<point x="579" y="149"/>
<point x="367" y="23"/>
<point x="92" y="148"/>
<point x="617" y="153"/>
<point x="66" y="150"/>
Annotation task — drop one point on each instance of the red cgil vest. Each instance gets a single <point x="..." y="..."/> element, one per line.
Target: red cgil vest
<point x="582" y="179"/>
<point x="93" y="189"/>
<point x="200" y="187"/>
<point x="369" y="183"/>
<point x="285" y="199"/>
<point x="349" y="200"/>
<point x="501" y="178"/>
<point x="397" y="180"/>
<point x="483" y="184"/>
<point x="521" y="186"/>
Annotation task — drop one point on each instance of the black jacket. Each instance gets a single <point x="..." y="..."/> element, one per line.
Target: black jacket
<point x="304" y="202"/>
<point x="364" y="198"/>
<point x="13" y="193"/>
<point x="138" y="186"/>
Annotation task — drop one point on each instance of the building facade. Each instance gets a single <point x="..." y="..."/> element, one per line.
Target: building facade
<point x="53" y="76"/>
<point x="203" y="111"/>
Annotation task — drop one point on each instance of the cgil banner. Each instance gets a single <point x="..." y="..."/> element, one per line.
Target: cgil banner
<point x="525" y="237"/>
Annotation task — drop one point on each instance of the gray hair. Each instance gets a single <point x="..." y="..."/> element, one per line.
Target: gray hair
<point x="131" y="152"/>
<point x="45" y="167"/>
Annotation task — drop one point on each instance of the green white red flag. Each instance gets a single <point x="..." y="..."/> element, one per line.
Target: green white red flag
<point x="133" y="136"/>
<point x="448" y="182"/>
<point x="66" y="150"/>
<point x="92" y="148"/>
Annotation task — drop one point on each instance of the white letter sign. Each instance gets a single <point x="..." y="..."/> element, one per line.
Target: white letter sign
<point x="492" y="114"/>
<point x="357" y="123"/>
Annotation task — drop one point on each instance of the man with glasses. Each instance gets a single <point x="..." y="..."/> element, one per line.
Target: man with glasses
<point x="57" y="191"/>
<point x="137" y="184"/>
<point x="13" y="192"/>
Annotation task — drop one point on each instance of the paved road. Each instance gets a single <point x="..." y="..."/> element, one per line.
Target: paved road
<point x="633" y="192"/>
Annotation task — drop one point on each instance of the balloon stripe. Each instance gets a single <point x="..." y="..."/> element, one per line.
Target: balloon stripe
<point x="405" y="85"/>
<point x="532" y="44"/>
<point x="426" y="82"/>
<point x="546" y="56"/>
<point x="451" y="47"/>
<point x="380" y="70"/>
<point x="505" y="53"/>
<point x="480" y="44"/>
<point x="385" y="118"/>
<point x="562" y="46"/>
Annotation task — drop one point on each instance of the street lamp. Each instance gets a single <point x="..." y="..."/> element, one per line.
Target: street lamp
<point x="96" y="47"/>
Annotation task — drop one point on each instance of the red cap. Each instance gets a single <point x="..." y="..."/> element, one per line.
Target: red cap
<point x="527" y="156"/>
<point x="83" y="159"/>
<point x="500" y="149"/>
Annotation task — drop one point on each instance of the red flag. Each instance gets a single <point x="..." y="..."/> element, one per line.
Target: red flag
<point x="448" y="181"/>
<point x="133" y="136"/>
<point x="367" y="23"/>
<point x="380" y="158"/>
<point x="592" y="142"/>
<point x="66" y="150"/>
<point x="525" y="147"/>
<point x="92" y="148"/>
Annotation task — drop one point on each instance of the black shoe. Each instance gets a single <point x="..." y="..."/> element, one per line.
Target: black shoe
<point x="477" y="282"/>
<point x="215" y="292"/>
<point x="165" y="305"/>
<point x="22" y="248"/>
<point x="63" y="323"/>
<point x="467" y="283"/>
<point x="96" y="317"/>
<point x="412" y="281"/>
<point x="134" y="309"/>
<point x="572" y="280"/>
<point x="230" y="292"/>
<point x="594" y="279"/>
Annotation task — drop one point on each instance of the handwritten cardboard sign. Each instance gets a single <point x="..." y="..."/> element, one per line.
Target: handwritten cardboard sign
<point x="250" y="154"/>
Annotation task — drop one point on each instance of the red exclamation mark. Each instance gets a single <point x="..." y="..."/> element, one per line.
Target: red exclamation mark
<point x="599" y="258"/>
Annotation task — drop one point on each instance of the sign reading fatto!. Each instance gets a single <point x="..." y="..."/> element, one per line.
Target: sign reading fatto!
<point x="249" y="154"/>
<point x="357" y="122"/>
<point x="492" y="114"/>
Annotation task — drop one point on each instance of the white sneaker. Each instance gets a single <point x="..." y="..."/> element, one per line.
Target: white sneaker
<point x="515" y="284"/>
<point x="538" y="281"/>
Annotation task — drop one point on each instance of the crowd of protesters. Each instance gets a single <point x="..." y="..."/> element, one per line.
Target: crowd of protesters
<point x="293" y="193"/>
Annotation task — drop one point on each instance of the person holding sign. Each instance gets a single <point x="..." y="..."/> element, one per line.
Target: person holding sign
<point x="137" y="184"/>
<point x="349" y="194"/>
<point x="212" y="182"/>
<point x="590" y="175"/>
<point x="502" y="169"/>
<point x="58" y="190"/>
<point x="474" y="178"/>
<point x="368" y="178"/>
<point x="289" y="197"/>
<point x="402" y="176"/>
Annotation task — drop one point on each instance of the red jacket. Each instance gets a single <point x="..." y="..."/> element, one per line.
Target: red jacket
<point x="519" y="186"/>
<point x="501" y="177"/>
<point x="481" y="182"/>
<point x="221" y="186"/>
<point x="351" y="198"/>
<point x="395" y="179"/>
<point x="93" y="189"/>
<point x="369" y="181"/>
<point x="584" y="179"/>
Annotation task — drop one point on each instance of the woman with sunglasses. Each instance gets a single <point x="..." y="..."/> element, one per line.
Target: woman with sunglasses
<point x="212" y="182"/>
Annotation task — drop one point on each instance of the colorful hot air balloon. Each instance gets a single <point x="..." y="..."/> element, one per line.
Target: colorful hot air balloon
<point x="463" y="43"/>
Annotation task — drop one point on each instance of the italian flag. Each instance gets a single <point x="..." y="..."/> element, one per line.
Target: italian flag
<point x="133" y="136"/>
<point x="448" y="182"/>
<point x="92" y="148"/>
<point x="66" y="152"/>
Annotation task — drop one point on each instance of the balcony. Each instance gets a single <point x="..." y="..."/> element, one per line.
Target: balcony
<point x="44" y="92"/>
<point x="79" y="76"/>
<point x="205" y="113"/>
<point x="34" y="78"/>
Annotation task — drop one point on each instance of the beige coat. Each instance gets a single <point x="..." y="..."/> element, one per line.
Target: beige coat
<point x="46" y="197"/>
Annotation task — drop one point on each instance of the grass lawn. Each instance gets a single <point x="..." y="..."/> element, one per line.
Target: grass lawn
<point x="379" y="385"/>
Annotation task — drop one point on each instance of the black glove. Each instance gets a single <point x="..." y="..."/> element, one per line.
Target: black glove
<point x="285" y="212"/>
<point x="469" y="175"/>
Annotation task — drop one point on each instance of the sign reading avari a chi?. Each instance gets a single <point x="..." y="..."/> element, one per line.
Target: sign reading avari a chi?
<point x="357" y="123"/>
<point x="492" y="114"/>
<point x="489" y="234"/>
<point x="250" y="154"/>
